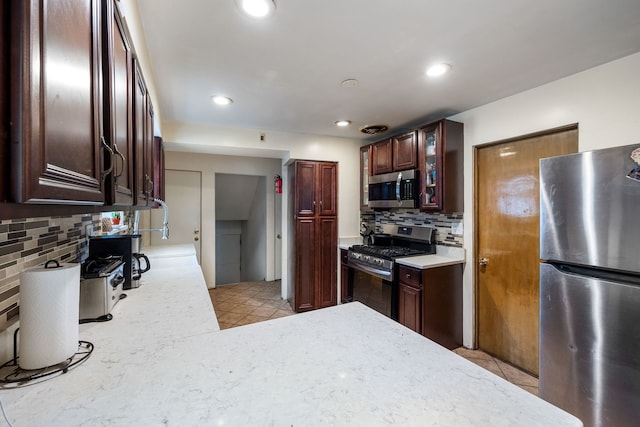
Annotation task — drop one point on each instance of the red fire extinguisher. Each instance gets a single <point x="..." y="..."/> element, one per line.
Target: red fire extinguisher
<point x="278" y="184"/>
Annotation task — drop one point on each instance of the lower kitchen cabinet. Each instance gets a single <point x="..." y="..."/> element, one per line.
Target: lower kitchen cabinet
<point x="410" y="310"/>
<point x="442" y="305"/>
<point x="345" y="293"/>
<point x="430" y="302"/>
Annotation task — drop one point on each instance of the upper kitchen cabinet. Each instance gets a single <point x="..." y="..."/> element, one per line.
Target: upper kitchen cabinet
<point x="158" y="168"/>
<point x="4" y="100"/>
<point x="56" y="103"/>
<point x="364" y="176"/>
<point x="382" y="157"/>
<point x="395" y="154"/>
<point x="441" y="150"/>
<point x="118" y="105"/>
<point x="315" y="189"/>
<point x="405" y="151"/>
<point x="143" y="117"/>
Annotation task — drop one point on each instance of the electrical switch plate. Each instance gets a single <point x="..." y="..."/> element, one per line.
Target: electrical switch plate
<point x="457" y="229"/>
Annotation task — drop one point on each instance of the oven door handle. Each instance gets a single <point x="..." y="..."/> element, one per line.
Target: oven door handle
<point x="382" y="274"/>
<point x="398" y="183"/>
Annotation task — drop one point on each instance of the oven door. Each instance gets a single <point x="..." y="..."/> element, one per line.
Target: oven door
<point x="374" y="292"/>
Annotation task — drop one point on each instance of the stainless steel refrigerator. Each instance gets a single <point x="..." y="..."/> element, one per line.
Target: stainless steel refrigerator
<point x="590" y="285"/>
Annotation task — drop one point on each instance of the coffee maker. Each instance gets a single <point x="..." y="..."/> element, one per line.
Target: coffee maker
<point x="116" y="245"/>
<point x="137" y="258"/>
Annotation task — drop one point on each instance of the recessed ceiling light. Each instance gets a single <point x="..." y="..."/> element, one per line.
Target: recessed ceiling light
<point x="257" y="8"/>
<point x="438" y="70"/>
<point x="222" y="100"/>
<point x="343" y="123"/>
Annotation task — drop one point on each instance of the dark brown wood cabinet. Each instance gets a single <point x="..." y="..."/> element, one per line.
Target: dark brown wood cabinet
<point x="441" y="165"/>
<point x="314" y="190"/>
<point x="345" y="293"/>
<point x="382" y="157"/>
<point x="394" y="154"/>
<point x="4" y="100"/>
<point x="67" y="110"/>
<point x="430" y="303"/>
<point x="56" y="103"/>
<point x="410" y="298"/>
<point x="158" y="167"/>
<point x="118" y="105"/>
<point x="143" y="118"/>
<point x="442" y="305"/>
<point x="405" y="151"/>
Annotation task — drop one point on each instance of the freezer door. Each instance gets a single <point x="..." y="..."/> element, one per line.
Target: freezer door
<point x="590" y="209"/>
<point x="590" y="347"/>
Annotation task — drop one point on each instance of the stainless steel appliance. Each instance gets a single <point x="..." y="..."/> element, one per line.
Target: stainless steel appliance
<point x="117" y="245"/>
<point x="590" y="285"/>
<point x="373" y="279"/>
<point x="100" y="287"/>
<point x="139" y="262"/>
<point x="394" y="190"/>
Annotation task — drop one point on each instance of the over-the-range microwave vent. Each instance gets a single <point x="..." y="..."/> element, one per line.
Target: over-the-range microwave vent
<point x="374" y="129"/>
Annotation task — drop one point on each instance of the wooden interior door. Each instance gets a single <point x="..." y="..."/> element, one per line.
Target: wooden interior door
<point x="507" y="228"/>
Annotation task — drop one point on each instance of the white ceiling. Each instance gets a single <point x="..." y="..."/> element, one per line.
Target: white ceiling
<point x="284" y="74"/>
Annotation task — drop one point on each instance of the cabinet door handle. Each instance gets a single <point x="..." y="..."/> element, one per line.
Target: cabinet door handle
<point x="111" y="158"/>
<point x="408" y="276"/>
<point x="124" y="160"/>
<point x="398" y="181"/>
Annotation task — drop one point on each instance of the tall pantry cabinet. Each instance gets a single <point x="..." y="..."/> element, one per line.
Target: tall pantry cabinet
<point x="314" y="190"/>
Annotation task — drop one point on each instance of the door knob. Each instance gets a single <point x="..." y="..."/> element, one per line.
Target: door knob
<point x="483" y="261"/>
<point x="196" y="239"/>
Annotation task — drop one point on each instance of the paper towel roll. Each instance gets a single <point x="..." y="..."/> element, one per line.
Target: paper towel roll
<point x="49" y="303"/>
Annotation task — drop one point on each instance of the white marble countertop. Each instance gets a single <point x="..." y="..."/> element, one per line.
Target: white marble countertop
<point x="301" y="370"/>
<point x="445" y="255"/>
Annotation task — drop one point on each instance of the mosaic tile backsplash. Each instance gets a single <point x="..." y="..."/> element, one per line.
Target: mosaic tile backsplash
<point x="441" y="222"/>
<point x="29" y="242"/>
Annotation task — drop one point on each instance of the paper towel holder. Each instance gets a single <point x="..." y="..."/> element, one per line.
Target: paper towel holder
<point x="11" y="374"/>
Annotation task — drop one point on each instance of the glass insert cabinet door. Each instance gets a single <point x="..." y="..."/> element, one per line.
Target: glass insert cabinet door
<point x="430" y="194"/>
<point x="364" y="176"/>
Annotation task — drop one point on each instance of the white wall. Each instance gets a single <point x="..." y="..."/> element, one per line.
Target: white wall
<point x="228" y="256"/>
<point x="254" y="242"/>
<point x="604" y="101"/>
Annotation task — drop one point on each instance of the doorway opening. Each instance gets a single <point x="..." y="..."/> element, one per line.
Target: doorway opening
<point x="241" y="228"/>
<point x="507" y="239"/>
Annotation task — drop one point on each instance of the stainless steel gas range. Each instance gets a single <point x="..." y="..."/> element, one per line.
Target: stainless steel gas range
<point x="373" y="271"/>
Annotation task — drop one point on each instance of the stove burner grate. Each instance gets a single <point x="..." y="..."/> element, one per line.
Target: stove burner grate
<point x="387" y="252"/>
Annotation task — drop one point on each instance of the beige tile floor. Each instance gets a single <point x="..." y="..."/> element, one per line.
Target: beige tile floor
<point x="250" y="302"/>
<point x="500" y="368"/>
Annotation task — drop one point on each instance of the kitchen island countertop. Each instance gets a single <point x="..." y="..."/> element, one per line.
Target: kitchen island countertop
<point x="292" y="371"/>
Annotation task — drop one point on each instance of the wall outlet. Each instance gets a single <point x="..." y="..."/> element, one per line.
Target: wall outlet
<point x="457" y="229"/>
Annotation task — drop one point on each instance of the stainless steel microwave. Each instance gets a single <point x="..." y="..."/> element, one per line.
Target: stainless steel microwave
<point x="394" y="190"/>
